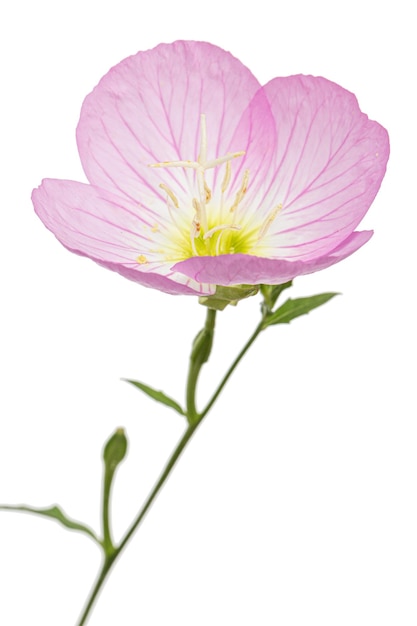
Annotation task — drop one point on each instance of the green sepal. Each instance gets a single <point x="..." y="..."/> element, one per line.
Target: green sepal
<point x="159" y="396"/>
<point x="271" y="294"/>
<point x="202" y="346"/>
<point x="56" y="513"/>
<point x="228" y="295"/>
<point x="294" y="308"/>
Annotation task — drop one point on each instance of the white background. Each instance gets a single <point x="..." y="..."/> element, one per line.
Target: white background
<point x="295" y="504"/>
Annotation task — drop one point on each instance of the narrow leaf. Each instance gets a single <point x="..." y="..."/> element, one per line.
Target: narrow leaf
<point x="54" y="512"/>
<point x="159" y="396"/>
<point x="294" y="308"/>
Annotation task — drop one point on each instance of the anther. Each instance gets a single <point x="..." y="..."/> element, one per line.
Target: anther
<point x="240" y="194"/>
<point x="224" y="159"/>
<point x="197" y="208"/>
<point x="193" y="164"/>
<point x="267" y="223"/>
<point x="227" y="176"/>
<point x="208" y="192"/>
<point x="200" y="203"/>
<point x="170" y="194"/>
<point x="194" y="233"/>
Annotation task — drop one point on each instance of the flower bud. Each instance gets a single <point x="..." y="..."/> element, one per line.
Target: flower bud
<point x="115" y="450"/>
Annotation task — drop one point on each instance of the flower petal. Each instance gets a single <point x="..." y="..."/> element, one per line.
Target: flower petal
<point x="303" y="166"/>
<point x="243" y="269"/>
<point x="148" y="108"/>
<point x="108" y="229"/>
<point x="329" y="164"/>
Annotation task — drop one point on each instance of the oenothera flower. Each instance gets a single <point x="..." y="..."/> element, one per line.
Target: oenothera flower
<point x="199" y="176"/>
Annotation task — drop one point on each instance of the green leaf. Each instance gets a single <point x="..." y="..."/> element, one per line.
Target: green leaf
<point x="159" y="396"/>
<point x="54" y="512"/>
<point x="294" y="308"/>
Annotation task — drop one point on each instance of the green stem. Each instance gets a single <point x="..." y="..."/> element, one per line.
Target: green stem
<point x="168" y="468"/>
<point x="110" y="560"/>
<point x="199" y="355"/>
<point x="107" y="539"/>
<point x="105" y="568"/>
<point x="231" y="369"/>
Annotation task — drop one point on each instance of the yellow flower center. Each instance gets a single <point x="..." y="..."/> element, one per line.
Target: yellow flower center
<point x="215" y="227"/>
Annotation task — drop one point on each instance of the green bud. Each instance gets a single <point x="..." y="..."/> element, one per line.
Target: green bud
<point x="202" y="345"/>
<point x="115" y="450"/>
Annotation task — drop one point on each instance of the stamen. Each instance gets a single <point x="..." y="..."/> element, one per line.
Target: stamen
<point x="202" y="191"/>
<point x="194" y="233"/>
<point x="196" y="206"/>
<point x="172" y="204"/>
<point x="208" y="192"/>
<point x="240" y="194"/>
<point x="195" y="165"/>
<point x="198" y="215"/>
<point x="227" y="176"/>
<point x="199" y="227"/>
<point x="171" y="194"/>
<point x="218" y="243"/>
<point x="267" y="223"/>
<point x="224" y="159"/>
<point x="141" y="259"/>
<point x="192" y="164"/>
<point x="215" y="229"/>
<point x="219" y="238"/>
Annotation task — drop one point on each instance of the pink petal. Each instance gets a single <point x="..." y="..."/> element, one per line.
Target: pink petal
<point x="329" y="164"/>
<point x="237" y="269"/>
<point x="313" y="163"/>
<point x="147" y="110"/>
<point x="108" y="229"/>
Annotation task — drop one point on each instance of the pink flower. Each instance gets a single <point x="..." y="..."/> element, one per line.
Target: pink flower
<point x="201" y="177"/>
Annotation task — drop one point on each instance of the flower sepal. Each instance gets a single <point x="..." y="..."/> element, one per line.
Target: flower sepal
<point x="228" y="295"/>
<point x="271" y="294"/>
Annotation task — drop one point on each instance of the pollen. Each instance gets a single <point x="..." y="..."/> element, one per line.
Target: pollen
<point x="141" y="259"/>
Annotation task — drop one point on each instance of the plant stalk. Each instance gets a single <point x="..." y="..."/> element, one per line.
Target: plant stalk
<point x="199" y="355"/>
